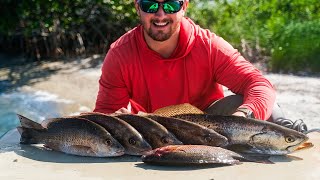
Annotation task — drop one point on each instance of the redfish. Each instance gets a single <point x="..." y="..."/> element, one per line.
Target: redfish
<point x="75" y="136"/>
<point x="131" y="139"/>
<point x="191" y="155"/>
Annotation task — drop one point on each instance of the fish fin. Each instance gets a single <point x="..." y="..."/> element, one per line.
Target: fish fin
<point x="81" y="150"/>
<point x="173" y="110"/>
<point x="52" y="146"/>
<point x="239" y="147"/>
<point x="72" y="149"/>
<point x="20" y="130"/>
<point x="28" y="123"/>
<point x="294" y="157"/>
<point x="27" y="135"/>
<point x="257" y="158"/>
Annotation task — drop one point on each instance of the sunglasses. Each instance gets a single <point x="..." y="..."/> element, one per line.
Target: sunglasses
<point x="152" y="6"/>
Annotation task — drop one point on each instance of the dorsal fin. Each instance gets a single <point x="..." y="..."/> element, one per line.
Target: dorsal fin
<point x="173" y="110"/>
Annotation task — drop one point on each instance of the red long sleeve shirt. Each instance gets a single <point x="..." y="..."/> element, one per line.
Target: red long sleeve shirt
<point x="194" y="73"/>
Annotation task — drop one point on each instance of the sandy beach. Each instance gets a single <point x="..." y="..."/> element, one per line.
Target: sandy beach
<point x="77" y="80"/>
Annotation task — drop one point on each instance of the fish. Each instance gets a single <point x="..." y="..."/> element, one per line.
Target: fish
<point x="173" y="110"/>
<point x="189" y="132"/>
<point x="250" y="135"/>
<point x="74" y="136"/>
<point x="191" y="155"/>
<point x="155" y="133"/>
<point x="128" y="136"/>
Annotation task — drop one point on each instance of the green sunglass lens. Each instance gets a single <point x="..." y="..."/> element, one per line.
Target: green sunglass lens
<point x="171" y="6"/>
<point x="149" y="6"/>
<point x="153" y="6"/>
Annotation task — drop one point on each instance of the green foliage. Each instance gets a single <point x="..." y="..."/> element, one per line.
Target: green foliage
<point x="38" y="14"/>
<point x="53" y="27"/>
<point x="8" y="16"/>
<point x="297" y="48"/>
<point x="259" y="27"/>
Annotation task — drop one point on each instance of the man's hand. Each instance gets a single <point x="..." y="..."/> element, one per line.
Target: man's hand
<point x="122" y="111"/>
<point x="239" y="113"/>
<point x="244" y="112"/>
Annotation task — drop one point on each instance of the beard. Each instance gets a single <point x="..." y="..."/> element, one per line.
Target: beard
<point x="160" y="35"/>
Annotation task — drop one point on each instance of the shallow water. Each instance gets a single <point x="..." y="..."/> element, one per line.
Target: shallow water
<point x="37" y="106"/>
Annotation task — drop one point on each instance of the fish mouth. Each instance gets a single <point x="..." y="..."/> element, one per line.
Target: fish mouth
<point x="305" y="145"/>
<point x="294" y="147"/>
<point x="117" y="153"/>
<point x="146" y="152"/>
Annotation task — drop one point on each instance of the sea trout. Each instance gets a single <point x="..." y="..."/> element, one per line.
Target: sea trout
<point x="155" y="133"/>
<point x="250" y="135"/>
<point x="191" y="155"/>
<point x="191" y="133"/>
<point x="128" y="136"/>
<point x="72" y="136"/>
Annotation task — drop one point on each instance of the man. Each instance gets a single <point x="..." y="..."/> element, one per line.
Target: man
<point x="169" y="60"/>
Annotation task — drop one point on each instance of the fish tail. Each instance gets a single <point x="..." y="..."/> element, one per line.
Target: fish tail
<point x="27" y="135"/>
<point x="28" y="123"/>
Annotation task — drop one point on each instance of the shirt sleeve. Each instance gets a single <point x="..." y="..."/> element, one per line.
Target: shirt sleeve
<point x="113" y="93"/>
<point x="241" y="77"/>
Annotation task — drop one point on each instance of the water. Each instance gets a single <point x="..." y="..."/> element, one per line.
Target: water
<point x="37" y="106"/>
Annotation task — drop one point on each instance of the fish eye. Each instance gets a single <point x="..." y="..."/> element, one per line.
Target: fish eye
<point x="290" y="139"/>
<point x="165" y="140"/>
<point x="132" y="141"/>
<point x="108" y="142"/>
<point x="208" y="139"/>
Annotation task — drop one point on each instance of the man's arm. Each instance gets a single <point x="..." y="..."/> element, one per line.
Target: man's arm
<point x="241" y="77"/>
<point x="113" y="94"/>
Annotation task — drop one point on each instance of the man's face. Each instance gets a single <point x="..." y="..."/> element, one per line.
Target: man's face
<point x="160" y="26"/>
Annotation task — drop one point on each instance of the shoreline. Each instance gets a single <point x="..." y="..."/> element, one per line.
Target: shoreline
<point x="75" y="80"/>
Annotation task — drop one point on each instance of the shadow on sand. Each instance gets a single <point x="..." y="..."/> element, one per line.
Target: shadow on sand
<point x="188" y="167"/>
<point x="39" y="153"/>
